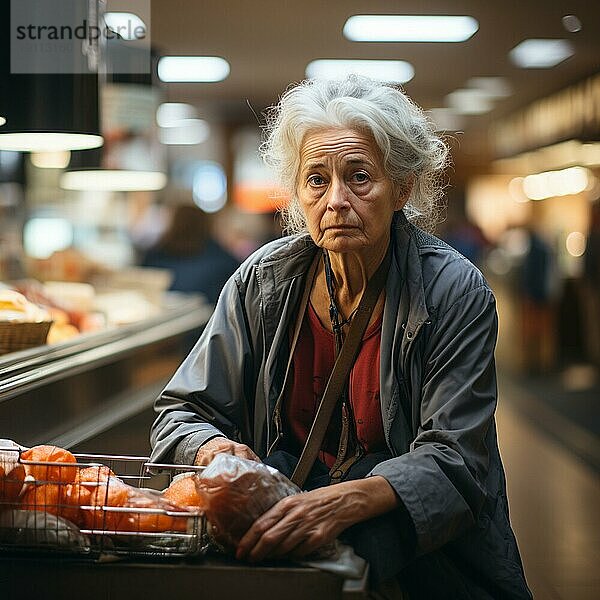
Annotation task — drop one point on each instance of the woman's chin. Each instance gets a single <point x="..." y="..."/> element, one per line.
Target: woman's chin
<point x="343" y="244"/>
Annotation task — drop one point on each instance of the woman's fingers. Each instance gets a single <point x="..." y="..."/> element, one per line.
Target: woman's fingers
<point x="295" y="525"/>
<point x="310" y="544"/>
<point x="259" y="528"/>
<point x="244" y="451"/>
<point x="298" y="544"/>
<point x="222" y="445"/>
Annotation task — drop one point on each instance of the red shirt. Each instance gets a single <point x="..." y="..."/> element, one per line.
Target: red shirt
<point x="313" y="361"/>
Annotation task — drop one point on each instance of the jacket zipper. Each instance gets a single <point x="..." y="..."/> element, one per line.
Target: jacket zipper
<point x="265" y="388"/>
<point x="276" y="417"/>
<point x="409" y="351"/>
<point x="278" y="428"/>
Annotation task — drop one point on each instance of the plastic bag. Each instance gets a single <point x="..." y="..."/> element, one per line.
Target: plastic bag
<point x="12" y="473"/>
<point x="38" y="529"/>
<point x="237" y="491"/>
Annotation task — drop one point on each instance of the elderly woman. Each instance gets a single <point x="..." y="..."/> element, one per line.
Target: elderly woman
<point x="410" y="446"/>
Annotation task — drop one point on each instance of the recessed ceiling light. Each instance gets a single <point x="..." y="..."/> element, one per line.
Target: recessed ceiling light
<point x="34" y="141"/>
<point x="541" y="53"/>
<point x="107" y="180"/>
<point x="571" y="23"/>
<point x="410" y="28"/>
<point x="169" y="114"/>
<point x="2" y="121"/>
<point x="391" y="71"/>
<point x="173" y="69"/>
<point x="469" y="102"/>
<point x="185" y="132"/>
<point x="126" y="25"/>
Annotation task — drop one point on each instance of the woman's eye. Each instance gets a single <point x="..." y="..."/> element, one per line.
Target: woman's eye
<point x="316" y="180"/>
<point x="360" y="177"/>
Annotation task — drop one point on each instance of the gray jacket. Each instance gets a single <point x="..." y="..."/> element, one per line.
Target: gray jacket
<point x="437" y="392"/>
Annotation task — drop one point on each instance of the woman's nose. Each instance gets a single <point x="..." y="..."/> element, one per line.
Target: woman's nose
<point x="338" y="196"/>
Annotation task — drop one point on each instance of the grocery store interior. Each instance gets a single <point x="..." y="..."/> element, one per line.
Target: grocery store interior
<point x="121" y="236"/>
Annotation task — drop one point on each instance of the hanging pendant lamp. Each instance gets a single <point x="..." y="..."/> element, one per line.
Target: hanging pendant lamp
<point x="46" y="109"/>
<point x="131" y="159"/>
<point x="86" y="173"/>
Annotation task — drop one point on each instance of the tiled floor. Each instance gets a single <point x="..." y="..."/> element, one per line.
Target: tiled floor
<point x="555" y="508"/>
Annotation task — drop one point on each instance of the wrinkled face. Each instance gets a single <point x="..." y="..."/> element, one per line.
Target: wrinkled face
<point x="347" y="198"/>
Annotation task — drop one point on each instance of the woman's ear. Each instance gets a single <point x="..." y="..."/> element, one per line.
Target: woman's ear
<point x="402" y="191"/>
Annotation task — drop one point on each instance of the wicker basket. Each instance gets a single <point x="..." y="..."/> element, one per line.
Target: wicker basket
<point x="16" y="336"/>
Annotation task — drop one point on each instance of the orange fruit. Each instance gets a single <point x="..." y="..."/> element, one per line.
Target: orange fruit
<point x="42" y="497"/>
<point x="96" y="473"/>
<point x="113" y="492"/>
<point x="11" y="482"/>
<point x="50" y="473"/>
<point x="51" y="498"/>
<point x="145" y="522"/>
<point x="183" y="493"/>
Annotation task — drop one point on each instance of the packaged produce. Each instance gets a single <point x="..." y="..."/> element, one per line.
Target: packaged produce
<point x="236" y="492"/>
<point x="49" y="472"/>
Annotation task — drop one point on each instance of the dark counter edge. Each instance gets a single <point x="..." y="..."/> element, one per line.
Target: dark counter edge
<point x="29" y="369"/>
<point x="218" y="578"/>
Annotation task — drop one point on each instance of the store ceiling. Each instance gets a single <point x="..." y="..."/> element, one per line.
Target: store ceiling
<point x="268" y="44"/>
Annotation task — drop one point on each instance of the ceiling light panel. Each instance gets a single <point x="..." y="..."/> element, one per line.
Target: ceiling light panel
<point x="469" y="102"/>
<point x="410" y="28"/>
<point x="391" y="71"/>
<point x="493" y="87"/>
<point x="107" y="180"/>
<point x="192" y="69"/>
<point x="170" y="114"/>
<point x="540" y="186"/>
<point x="185" y="132"/>
<point x="541" y="53"/>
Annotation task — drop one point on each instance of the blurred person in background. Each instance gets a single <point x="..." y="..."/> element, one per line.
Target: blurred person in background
<point x="591" y="276"/>
<point x="538" y="284"/>
<point x="409" y="470"/>
<point x="243" y="232"/>
<point x="199" y="264"/>
<point x="466" y="237"/>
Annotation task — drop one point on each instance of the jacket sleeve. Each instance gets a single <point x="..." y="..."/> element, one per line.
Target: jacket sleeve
<point x="209" y="394"/>
<point x="440" y="481"/>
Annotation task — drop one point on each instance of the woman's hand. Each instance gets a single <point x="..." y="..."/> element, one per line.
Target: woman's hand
<point x="222" y="445"/>
<point x="300" y="524"/>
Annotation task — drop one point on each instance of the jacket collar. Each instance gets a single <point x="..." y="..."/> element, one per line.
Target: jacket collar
<point x="293" y="258"/>
<point x="410" y="271"/>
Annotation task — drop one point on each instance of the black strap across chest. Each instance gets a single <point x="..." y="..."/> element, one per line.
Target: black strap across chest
<point x="343" y="363"/>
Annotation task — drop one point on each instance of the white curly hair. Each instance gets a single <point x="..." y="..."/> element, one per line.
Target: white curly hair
<point x="406" y="138"/>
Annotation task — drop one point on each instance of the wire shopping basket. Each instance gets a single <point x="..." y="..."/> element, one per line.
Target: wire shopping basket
<point x="98" y="504"/>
